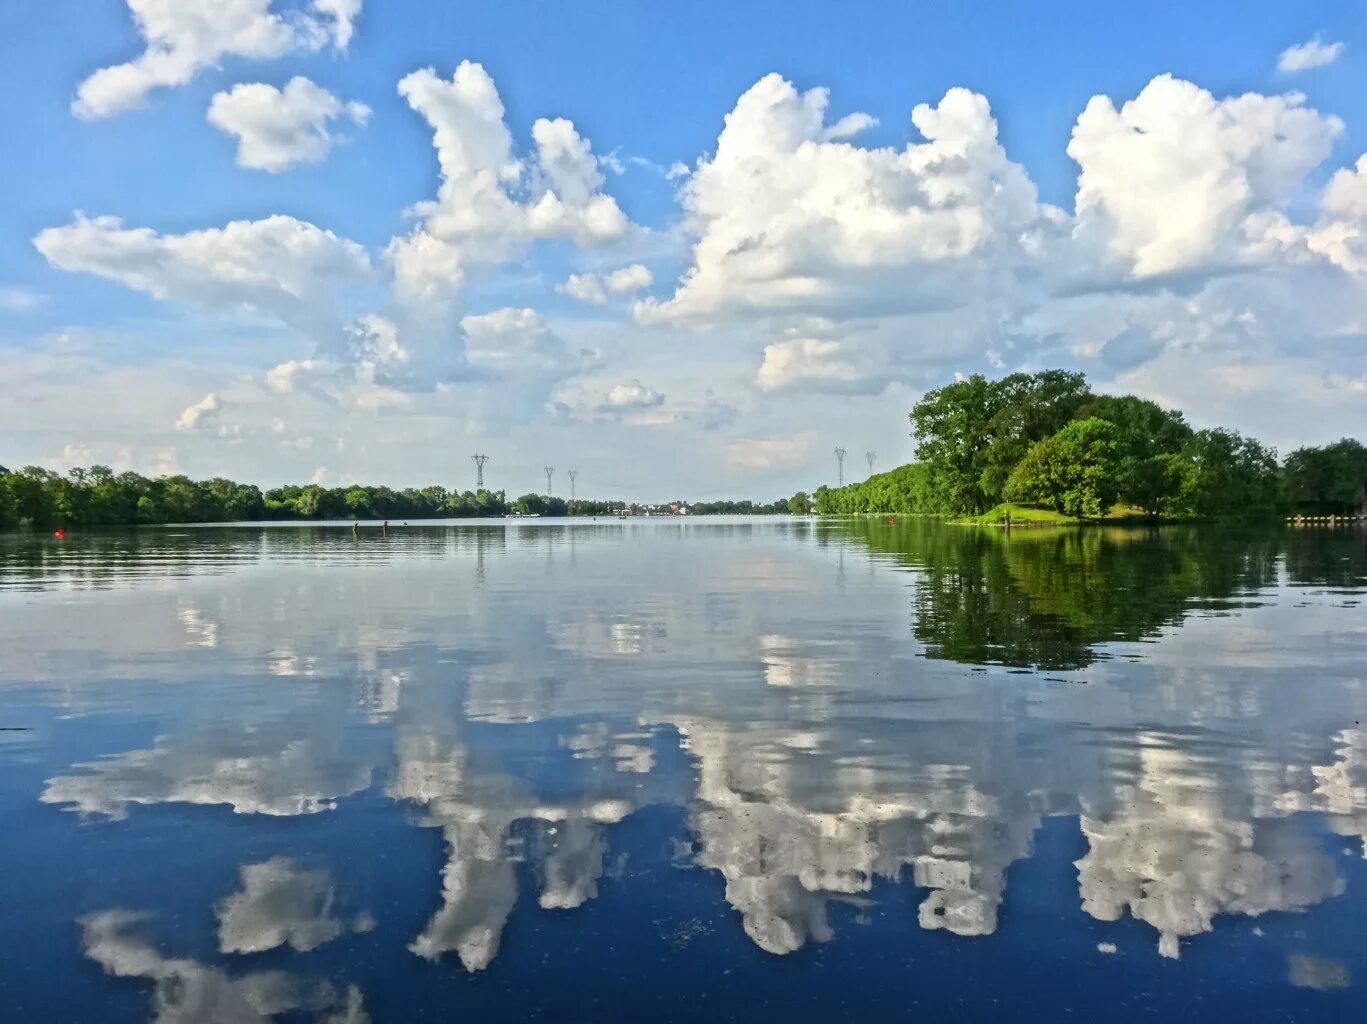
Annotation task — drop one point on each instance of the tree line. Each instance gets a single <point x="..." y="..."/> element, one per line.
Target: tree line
<point x="1046" y="439"/>
<point x="97" y="496"/>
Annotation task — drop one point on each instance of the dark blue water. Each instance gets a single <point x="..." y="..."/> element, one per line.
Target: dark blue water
<point x="677" y="770"/>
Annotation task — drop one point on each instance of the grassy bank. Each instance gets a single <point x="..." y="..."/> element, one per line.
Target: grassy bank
<point x="1021" y="515"/>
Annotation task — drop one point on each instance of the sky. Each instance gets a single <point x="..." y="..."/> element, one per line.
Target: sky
<point x="687" y="250"/>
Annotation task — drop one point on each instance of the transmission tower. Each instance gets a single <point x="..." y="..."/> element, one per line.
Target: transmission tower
<point x="840" y="463"/>
<point x="870" y="456"/>
<point x="479" y="461"/>
<point x="573" y="473"/>
<point x="550" y="471"/>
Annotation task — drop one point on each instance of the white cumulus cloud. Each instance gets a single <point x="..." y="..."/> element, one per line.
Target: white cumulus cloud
<point x="278" y="265"/>
<point x="629" y="279"/>
<point x="633" y="395"/>
<point x="183" y="37"/>
<point x="1340" y="235"/>
<point x="790" y="216"/>
<point x="491" y="202"/>
<point x="584" y="287"/>
<point x="276" y="129"/>
<point x="1176" y="180"/>
<point x="200" y="414"/>
<point x="593" y="289"/>
<point x="796" y="360"/>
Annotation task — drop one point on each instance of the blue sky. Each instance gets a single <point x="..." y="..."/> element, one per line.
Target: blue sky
<point x="742" y="382"/>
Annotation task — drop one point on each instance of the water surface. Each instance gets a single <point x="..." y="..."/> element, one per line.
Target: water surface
<point x="708" y="769"/>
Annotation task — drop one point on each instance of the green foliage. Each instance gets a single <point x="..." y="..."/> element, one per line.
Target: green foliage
<point x="980" y="441"/>
<point x="1229" y="476"/>
<point x="1148" y="437"/>
<point x="799" y="504"/>
<point x="740" y="508"/>
<point x="1329" y="479"/>
<point x="973" y="432"/>
<point x="906" y="489"/>
<point x="97" y="497"/>
<point x="1022" y="514"/>
<point x="1075" y="471"/>
<point x="1156" y="484"/>
<point x="1048" y="598"/>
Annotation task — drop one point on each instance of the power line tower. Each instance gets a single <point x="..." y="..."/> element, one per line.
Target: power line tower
<point x="573" y="473"/>
<point x="840" y="464"/>
<point x="479" y="461"/>
<point x="550" y="471"/>
<point x="870" y="456"/>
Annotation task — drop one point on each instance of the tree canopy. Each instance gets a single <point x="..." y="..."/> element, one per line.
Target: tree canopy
<point x="99" y="497"/>
<point x="1046" y="439"/>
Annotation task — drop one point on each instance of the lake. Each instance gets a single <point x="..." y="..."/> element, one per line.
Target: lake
<point x="671" y="769"/>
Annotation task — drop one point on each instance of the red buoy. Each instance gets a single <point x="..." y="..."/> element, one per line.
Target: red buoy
<point x="59" y="533"/>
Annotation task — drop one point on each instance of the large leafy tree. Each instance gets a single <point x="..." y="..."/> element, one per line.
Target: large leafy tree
<point x="971" y="434"/>
<point x="1148" y="440"/>
<point x="1032" y="406"/>
<point x="1074" y="472"/>
<point x="1328" y="479"/>
<point x="1229" y="476"/>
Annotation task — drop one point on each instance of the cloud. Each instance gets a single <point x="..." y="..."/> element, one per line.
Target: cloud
<point x="186" y="36"/>
<point x="1340" y="235"/>
<point x="276" y="129"/>
<point x="187" y="990"/>
<point x="593" y="289"/>
<point x="584" y="287"/>
<point x="253" y="770"/>
<point x="791" y="217"/>
<point x="1307" y="55"/>
<point x="762" y="453"/>
<point x="200" y="414"/>
<point x="514" y="342"/>
<point x="633" y="395"/>
<point x="631" y="401"/>
<point x="289" y="377"/>
<point x="1176" y="180"/>
<point x="282" y="903"/>
<point x="278" y="265"/>
<point x="491" y="203"/>
<point x="1317" y="973"/>
<point x="799" y="360"/>
<point x="629" y="279"/>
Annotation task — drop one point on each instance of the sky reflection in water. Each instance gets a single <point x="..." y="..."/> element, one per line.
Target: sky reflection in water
<point x="693" y="769"/>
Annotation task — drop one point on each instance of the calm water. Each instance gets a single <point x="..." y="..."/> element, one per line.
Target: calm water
<point x="681" y="771"/>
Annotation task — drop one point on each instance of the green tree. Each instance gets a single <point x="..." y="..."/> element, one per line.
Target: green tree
<point x="1145" y="434"/>
<point x="799" y="503"/>
<point x="1157" y="483"/>
<point x="1031" y="408"/>
<point x="1073" y="472"/>
<point x="1230" y="476"/>
<point x="972" y="433"/>
<point x="1328" y="479"/>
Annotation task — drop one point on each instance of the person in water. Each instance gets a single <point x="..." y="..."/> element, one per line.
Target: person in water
<point x="385" y="528"/>
<point x="355" y="529"/>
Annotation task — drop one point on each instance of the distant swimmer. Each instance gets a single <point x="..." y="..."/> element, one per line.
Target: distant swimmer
<point x="385" y="528"/>
<point x="355" y="529"/>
